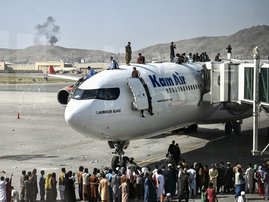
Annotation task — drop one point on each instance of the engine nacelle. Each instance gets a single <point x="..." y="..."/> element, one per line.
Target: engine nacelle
<point x="63" y="95"/>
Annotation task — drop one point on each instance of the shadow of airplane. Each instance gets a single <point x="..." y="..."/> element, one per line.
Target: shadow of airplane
<point x="233" y="148"/>
<point x="23" y="157"/>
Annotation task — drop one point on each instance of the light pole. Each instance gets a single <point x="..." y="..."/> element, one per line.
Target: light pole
<point x="256" y="100"/>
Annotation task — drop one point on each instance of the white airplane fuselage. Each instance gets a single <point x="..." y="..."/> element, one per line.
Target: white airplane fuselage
<point x="173" y="97"/>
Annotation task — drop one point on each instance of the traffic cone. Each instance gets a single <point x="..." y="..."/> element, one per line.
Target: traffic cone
<point x="18" y="115"/>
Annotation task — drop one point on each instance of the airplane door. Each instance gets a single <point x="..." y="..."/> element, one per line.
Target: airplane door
<point x="139" y="94"/>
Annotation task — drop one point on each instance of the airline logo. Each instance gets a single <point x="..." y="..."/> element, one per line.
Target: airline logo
<point x="174" y="80"/>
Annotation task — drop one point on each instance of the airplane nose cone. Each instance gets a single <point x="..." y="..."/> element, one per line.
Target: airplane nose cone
<point x="77" y="115"/>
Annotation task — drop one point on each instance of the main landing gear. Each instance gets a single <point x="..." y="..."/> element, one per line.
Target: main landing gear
<point x="120" y="160"/>
<point x="234" y="126"/>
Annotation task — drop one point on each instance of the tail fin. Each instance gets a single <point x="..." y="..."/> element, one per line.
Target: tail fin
<point x="51" y="70"/>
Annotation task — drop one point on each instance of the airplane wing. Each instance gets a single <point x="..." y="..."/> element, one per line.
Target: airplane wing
<point x="68" y="77"/>
<point x="52" y="73"/>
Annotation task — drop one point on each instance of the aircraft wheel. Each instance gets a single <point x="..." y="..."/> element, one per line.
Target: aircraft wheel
<point x="237" y="128"/>
<point x="115" y="162"/>
<point x="228" y="128"/>
<point x="124" y="161"/>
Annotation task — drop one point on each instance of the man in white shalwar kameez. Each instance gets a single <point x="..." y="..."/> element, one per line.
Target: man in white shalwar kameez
<point x="249" y="178"/>
<point x="192" y="179"/>
<point x="180" y="179"/>
<point x="160" y="185"/>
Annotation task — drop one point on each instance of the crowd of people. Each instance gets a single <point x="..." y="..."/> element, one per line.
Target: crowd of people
<point x="6" y="190"/>
<point x="184" y="58"/>
<point x="180" y="180"/>
<point x="174" y="57"/>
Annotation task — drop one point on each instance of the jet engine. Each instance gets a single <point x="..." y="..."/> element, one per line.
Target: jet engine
<point x="63" y="95"/>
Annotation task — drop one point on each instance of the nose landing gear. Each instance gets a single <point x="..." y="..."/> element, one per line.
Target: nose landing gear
<point x="120" y="160"/>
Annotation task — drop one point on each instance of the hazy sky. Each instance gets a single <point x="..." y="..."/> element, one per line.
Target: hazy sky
<point x="109" y="24"/>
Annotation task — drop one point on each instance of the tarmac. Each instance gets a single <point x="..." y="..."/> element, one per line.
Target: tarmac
<point x="33" y="134"/>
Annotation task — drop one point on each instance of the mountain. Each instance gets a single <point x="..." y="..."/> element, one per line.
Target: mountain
<point x="242" y="43"/>
<point x="52" y="53"/>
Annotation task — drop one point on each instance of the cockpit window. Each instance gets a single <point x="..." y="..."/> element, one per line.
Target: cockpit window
<point x="101" y="94"/>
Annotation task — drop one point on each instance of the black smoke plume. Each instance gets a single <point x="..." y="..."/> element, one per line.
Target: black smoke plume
<point x="49" y="30"/>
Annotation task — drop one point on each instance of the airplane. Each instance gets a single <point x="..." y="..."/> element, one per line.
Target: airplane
<point x="66" y="69"/>
<point x="114" y="107"/>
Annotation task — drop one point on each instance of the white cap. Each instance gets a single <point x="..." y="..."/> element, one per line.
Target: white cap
<point x="170" y="165"/>
<point x="242" y="193"/>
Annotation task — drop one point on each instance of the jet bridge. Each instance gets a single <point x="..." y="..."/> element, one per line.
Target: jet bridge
<point x="241" y="82"/>
<point x="233" y="82"/>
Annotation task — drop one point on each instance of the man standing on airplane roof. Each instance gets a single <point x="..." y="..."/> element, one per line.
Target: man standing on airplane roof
<point x="172" y="51"/>
<point x="229" y="52"/>
<point x="128" y="53"/>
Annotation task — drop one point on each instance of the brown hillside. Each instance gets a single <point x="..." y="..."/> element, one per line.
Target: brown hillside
<point x="242" y="44"/>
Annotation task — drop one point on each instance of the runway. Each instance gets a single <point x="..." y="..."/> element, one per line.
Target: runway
<point x="34" y="134"/>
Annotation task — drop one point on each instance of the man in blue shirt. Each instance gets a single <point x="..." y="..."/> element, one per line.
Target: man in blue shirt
<point x="91" y="72"/>
<point x="113" y="64"/>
